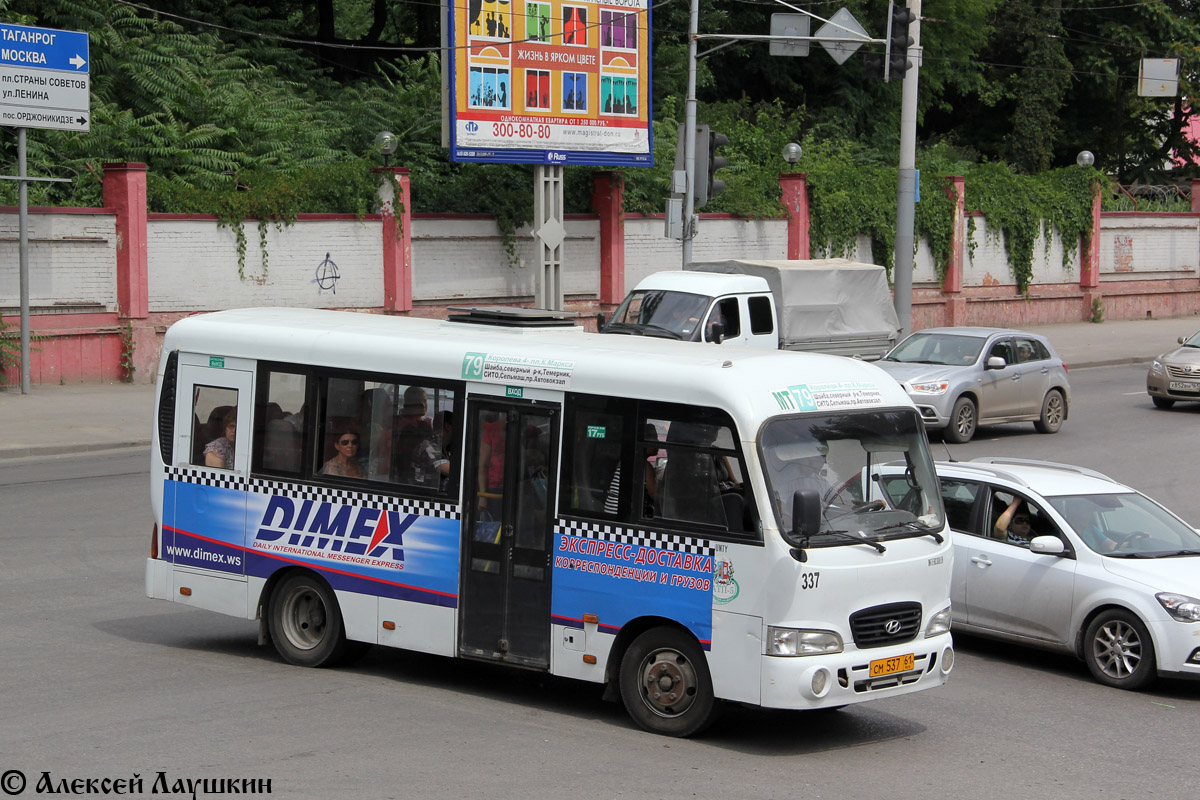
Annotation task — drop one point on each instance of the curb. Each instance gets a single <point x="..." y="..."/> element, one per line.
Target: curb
<point x="66" y="449"/>
<point x="1112" y="362"/>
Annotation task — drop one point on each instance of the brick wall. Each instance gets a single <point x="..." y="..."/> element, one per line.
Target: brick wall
<point x="193" y="264"/>
<point x="71" y="257"/>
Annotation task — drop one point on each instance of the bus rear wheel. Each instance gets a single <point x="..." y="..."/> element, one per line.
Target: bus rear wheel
<point x="305" y="622"/>
<point x="665" y="683"/>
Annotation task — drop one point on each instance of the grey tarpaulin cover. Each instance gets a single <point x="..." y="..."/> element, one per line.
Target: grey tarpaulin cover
<point x="831" y="305"/>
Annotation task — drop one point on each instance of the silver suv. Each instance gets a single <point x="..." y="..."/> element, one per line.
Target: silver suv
<point x="961" y="378"/>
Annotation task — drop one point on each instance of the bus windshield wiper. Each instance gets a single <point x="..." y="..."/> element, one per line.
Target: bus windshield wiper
<point x="851" y="538"/>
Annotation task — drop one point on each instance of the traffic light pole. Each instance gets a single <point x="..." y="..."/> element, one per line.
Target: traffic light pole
<point x="902" y="271"/>
<point x="689" y="138"/>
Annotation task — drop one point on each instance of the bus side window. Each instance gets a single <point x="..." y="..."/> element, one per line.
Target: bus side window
<point x="279" y="421"/>
<point x="702" y="480"/>
<point x="214" y="437"/>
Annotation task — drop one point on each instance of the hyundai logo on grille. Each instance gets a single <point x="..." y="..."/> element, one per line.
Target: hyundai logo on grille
<point x="892" y="626"/>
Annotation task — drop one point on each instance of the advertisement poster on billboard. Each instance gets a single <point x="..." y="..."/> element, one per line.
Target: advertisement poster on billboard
<point x="550" y="82"/>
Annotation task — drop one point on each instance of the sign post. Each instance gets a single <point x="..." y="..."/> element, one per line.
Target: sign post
<point x="44" y="83"/>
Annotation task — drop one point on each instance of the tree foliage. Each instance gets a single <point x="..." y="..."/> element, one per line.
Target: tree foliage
<point x="247" y="109"/>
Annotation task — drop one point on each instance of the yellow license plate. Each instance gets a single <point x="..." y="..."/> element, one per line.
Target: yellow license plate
<point x="890" y="666"/>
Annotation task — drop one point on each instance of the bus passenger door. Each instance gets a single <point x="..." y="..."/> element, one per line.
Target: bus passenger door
<point x="206" y="524"/>
<point x="510" y="468"/>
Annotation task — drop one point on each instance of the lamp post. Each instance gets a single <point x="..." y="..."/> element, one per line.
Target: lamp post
<point x="792" y="152"/>
<point x="386" y="143"/>
<point x="1085" y="158"/>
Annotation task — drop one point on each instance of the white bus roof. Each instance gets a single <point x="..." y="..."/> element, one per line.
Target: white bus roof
<point x="746" y="382"/>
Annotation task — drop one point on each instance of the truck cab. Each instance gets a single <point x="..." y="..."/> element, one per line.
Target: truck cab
<point x="700" y="307"/>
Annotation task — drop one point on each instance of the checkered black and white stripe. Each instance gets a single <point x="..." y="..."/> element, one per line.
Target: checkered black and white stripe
<point x="606" y="531"/>
<point x="325" y="494"/>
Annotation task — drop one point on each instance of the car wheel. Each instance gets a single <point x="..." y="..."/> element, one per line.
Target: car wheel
<point x="1162" y="402"/>
<point x="962" y="421"/>
<point x="1118" y="650"/>
<point x="1054" y="411"/>
<point x="665" y="683"/>
<point x="305" y="623"/>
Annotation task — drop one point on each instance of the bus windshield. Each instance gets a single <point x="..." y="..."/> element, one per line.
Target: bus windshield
<point x="657" y="312"/>
<point x="871" y="470"/>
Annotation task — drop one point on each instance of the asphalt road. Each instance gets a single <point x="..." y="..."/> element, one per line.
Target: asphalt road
<point x="100" y="682"/>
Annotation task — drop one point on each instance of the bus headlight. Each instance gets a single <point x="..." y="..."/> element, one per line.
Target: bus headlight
<point x="801" y="642"/>
<point x="939" y="623"/>
<point x="1180" y="606"/>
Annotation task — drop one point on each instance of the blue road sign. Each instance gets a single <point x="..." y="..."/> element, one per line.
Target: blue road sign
<point x="44" y="78"/>
<point x="44" y="48"/>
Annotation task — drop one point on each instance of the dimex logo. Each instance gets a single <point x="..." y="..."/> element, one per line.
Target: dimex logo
<point x="471" y="127"/>
<point x="333" y="531"/>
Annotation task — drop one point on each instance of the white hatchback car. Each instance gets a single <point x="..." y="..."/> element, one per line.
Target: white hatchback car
<point x="1066" y="558"/>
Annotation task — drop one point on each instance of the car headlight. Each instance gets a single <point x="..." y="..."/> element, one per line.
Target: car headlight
<point x="1180" y="606"/>
<point x="1156" y="366"/>
<point x="934" y="387"/>
<point x="939" y="623"/>
<point x="801" y="642"/>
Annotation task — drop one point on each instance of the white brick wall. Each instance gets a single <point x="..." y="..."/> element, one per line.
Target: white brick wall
<point x="648" y="251"/>
<point x="988" y="265"/>
<point x="72" y="259"/>
<point x="1138" y="246"/>
<point x="192" y="265"/>
<point x="463" y="258"/>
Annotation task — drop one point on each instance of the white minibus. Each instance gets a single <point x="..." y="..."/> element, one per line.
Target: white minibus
<point x="688" y="525"/>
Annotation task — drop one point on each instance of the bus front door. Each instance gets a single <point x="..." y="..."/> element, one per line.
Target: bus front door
<point x="504" y="610"/>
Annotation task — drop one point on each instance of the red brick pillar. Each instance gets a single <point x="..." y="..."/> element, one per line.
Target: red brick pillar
<point x="608" y="189"/>
<point x="125" y="192"/>
<point x="795" y="200"/>
<point x="395" y="201"/>
<point x="956" y="191"/>
<point x="1196" y="195"/>
<point x="1089" y="252"/>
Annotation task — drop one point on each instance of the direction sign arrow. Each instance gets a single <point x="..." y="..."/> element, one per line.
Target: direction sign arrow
<point x="77" y="62"/>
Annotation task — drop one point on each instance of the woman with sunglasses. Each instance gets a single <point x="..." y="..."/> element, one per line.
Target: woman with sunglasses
<point x="345" y="462"/>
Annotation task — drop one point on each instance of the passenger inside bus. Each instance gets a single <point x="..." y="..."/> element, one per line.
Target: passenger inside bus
<point x="219" y="452"/>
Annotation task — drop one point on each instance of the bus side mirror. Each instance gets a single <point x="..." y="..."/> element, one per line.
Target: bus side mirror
<point x="806" y="516"/>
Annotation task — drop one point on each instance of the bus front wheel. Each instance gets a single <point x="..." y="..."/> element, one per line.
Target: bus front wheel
<point x="665" y="683"/>
<point x="305" y="622"/>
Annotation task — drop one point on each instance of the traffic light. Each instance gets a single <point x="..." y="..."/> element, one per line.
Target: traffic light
<point x="707" y="163"/>
<point x="873" y="65"/>
<point x="899" y="20"/>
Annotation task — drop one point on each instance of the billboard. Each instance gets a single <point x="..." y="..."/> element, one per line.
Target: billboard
<point x="550" y="82"/>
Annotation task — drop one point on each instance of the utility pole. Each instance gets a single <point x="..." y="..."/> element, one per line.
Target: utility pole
<point x="906" y="190"/>
<point x="689" y="138"/>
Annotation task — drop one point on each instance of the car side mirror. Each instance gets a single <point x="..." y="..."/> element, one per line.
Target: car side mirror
<point x="717" y="332"/>
<point x="995" y="362"/>
<point x="1181" y="339"/>
<point x="600" y="320"/>
<point x="1047" y="546"/>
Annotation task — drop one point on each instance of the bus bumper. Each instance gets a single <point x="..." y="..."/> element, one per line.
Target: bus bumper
<point x="844" y="678"/>
<point x="158" y="578"/>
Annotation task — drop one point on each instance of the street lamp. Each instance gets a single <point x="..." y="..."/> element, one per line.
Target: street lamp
<point x="386" y="143"/>
<point x="792" y="152"/>
<point x="1085" y="158"/>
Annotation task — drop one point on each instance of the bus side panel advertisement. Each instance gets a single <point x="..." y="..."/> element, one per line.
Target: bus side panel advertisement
<point x="380" y="549"/>
<point x="620" y="581"/>
<point x="551" y="82"/>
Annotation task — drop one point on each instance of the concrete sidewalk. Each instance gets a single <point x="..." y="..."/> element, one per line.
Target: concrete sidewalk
<point x="79" y="418"/>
